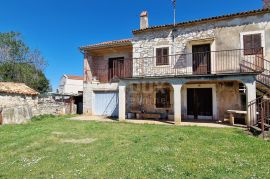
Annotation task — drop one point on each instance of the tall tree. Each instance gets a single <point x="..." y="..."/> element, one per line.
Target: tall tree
<point x="20" y="64"/>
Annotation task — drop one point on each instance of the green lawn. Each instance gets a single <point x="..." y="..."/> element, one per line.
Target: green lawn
<point x="59" y="148"/>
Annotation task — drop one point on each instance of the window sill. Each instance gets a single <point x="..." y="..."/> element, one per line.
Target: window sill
<point x="162" y="66"/>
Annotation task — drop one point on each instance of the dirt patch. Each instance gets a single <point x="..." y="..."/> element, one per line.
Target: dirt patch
<point x="78" y="141"/>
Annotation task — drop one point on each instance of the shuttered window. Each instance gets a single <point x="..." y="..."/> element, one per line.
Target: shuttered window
<point x="162" y="56"/>
<point x="163" y="98"/>
<point x="252" y="44"/>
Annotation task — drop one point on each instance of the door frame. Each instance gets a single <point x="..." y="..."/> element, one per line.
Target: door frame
<point x="205" y="41"/>
<point x="113" y="61"/>
<point x="214" y="100"/>
<point x="93" y="103"/>
<point x="208" y="69"/>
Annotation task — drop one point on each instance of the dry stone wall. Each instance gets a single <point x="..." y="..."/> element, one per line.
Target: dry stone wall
<point x="18" y="109"/>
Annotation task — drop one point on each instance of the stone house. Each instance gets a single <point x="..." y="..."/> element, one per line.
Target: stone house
<point x="19" y="103"/>
<point x="16" y="102"/>
<point x="196" y="70"/>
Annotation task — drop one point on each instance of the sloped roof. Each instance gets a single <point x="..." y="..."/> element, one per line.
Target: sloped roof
<point x="114" y="43"/>
<point x="16" y="88"/>
<point x="73" y="77"/>
<point x="205" y="20"/>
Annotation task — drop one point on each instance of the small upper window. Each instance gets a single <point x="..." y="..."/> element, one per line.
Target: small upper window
<point x="252" y="44"/>
<point x="162" y="56"/>
<point x="163" y="98"/>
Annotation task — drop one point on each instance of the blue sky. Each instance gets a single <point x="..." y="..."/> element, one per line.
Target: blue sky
<point x="58" y="27"/>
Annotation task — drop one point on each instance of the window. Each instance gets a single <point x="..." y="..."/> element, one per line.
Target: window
<point x="163" y="98"/>
<point x="252" y="44"/>
<point x="162" y="56"/>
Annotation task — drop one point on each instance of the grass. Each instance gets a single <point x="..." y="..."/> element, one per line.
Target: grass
<point x="53" y="147"/>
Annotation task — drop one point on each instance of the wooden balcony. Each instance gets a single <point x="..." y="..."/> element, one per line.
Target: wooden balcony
<point x="113" y="71"/>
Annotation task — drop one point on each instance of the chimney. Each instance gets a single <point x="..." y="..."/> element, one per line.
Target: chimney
<point x="144" y="20"/>
<point x="266" y="4"/>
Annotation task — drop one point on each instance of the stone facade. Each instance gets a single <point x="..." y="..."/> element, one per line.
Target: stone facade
<point x="221" y="35"/>
<point x="12" y="100"/>
<point x="142" y="97"/>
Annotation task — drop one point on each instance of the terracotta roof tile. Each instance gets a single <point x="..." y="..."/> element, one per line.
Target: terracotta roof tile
<point x="114" y="43"/>
<point x="72" y="77"/>
<point x="210" y="19"/>
<point x="16" y="88"/>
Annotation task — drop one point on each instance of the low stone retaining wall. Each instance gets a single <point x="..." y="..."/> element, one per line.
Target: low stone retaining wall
<point x="54" y="108"/>
<point x="22" y="114"/>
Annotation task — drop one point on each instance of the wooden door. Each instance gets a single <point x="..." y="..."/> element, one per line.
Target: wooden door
<point x="201" y="59"/>
<point x="199" y="102"/>
<point x="116" y="68"/>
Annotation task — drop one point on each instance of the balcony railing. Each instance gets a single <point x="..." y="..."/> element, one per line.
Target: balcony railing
<point x="201" y="63"/>
<point x="119" y="69"/>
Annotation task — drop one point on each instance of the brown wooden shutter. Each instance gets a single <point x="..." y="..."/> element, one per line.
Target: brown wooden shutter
<point x="162" y="56"/>
<point x="158" y="56"/>
<point x="247" y="44"/>
<point x="165" y="56"/>
<point x="252" y="44"/>
<point x="257" y="43"/>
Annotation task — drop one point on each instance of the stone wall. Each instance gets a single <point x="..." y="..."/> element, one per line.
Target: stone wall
<point x="11" y="100"/>
<point x="50" y="106"/>
<point x="142" y="97"/>
<point x="17" y="109"/>
<point x="16" y="115"/>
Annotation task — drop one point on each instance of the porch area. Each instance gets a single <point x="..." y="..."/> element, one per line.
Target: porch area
<point x="187" y="100"/>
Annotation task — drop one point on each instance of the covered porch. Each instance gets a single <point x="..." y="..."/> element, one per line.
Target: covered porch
<point x="177" y="100"/>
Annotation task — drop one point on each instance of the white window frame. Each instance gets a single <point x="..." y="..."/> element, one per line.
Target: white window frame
<point x="155" y="55"/>
<point x="262" y="32"/>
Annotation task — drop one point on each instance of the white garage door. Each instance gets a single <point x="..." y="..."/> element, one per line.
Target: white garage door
<point x="106" y="104"/>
